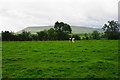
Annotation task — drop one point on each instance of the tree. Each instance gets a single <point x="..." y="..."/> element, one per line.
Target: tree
<point x="25" y="36"/>
<point x="62" y="27"/>
<point x="90" y="37"/>
<point x="67" y="29"/>
<point x="96" y="34"/>
<point x="62" y="30"/>
<point x="34" y="37"/>
<point x="86" y="36"/>
<point x="76" y="37"/>
<point x="7" y="36"/>
<point x="111" y="30"/>
<point x="59" y="32"/>
<point x="52" y="34"/>
<point x="102" y="36"/>
<point x="83" y="38"/>
<point x="42" y="35"/>
<point x="58" y="26"/>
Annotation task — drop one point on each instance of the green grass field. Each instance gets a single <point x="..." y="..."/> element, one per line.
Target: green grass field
<point x="60" y="59"/>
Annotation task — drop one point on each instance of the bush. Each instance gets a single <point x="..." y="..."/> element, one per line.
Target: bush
<point x="76" y="37"/>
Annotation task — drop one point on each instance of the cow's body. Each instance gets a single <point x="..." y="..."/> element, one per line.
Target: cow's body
<point x="72" y="40"/>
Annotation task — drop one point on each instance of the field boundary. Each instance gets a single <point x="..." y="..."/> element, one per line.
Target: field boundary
<point x="0" y="57"/>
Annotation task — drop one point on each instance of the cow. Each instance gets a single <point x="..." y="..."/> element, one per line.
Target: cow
<point x="72" y="40"/>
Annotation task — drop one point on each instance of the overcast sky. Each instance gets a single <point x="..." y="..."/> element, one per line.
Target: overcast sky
<point x="18" y="14"/>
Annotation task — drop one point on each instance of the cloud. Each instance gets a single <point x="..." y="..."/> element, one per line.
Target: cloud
<point x="18" y="14"/>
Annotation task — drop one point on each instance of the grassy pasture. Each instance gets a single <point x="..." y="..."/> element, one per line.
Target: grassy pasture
<point x="60" y="59"/>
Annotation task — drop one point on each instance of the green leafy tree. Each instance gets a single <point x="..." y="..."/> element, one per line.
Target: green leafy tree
<point x="86" y="36"/>
<point x="67" y="29"/>
<point x="62" y="27"/>
<point x="25" y="36"/>
<point x="111" y="30"/>
<point x="62" y="30"/>
<point x="42" y="35"/>
<point x="34" y="37"/>
<point x="7" y="36"/>
<point x="95" y="34"/>
<point x="59" y="32"/>
<point x="76" y="37"/>
<point x="83" y="38"/>
<point x="52" y="34"/>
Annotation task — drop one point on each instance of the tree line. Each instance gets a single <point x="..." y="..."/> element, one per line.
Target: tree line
<point x="62" y="31"/>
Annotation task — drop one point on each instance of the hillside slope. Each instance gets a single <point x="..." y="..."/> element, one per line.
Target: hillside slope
<point x="75" y="29"/>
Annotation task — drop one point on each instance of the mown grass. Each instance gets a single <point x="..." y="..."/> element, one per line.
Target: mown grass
<point x="60" y="59"/>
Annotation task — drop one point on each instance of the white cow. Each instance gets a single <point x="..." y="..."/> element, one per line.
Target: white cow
<point x="72" y="40"/>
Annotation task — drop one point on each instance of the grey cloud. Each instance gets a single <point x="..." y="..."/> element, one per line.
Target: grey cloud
<point x="18" y="14"/>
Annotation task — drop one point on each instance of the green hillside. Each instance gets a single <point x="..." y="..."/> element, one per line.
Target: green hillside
<point x="76" y="29"/>
<point x="80" y="29"/>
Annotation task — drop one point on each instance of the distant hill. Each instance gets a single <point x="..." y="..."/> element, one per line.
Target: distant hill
<point x="75" y="29"/>
<point x="81" y="29"/>
<point x="34" y="29"/>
